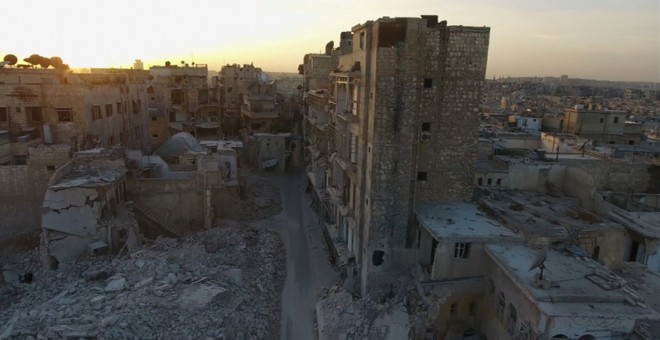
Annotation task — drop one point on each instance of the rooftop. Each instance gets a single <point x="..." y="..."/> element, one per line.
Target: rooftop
<point x="461" y="221"/>
<point x="579" y="285"/>
<point x="537" y="214"/>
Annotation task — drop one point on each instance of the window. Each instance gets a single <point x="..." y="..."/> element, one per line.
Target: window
<point x="616" y="119"/>
<point x="362" y="40"/>
<point x="108" y="110"/>
<point x="4" y="116"/>
<point x="34" y="112"/>
<point x="154" y="135"/>
<point x="137" y="132"/>
<point x="498" y="181"/>
<point x="461" y="250"/>
<point x="426" y="127"/>
<point x="428" y="83"/>
<point x="421" y="176"/>
<point x="453" y="311"/>
<point x="177" y="97"/>
<point x="64" y="114"/>
<point x="602" y="120"/>
<point x="120" y="108"/>
<point x="501" y="303"/>
<point x="96" y="112"/>
<point x="490" y="181"/>
<point x="50" y="167"/>
<point x="378" y="257"/>
<point x="473" y="308"/>
<point x="154" y="119"/>
<point x="354" y="146"/>
<point x="111" y="141"/>
<point x="255" y="126"/>
<point x="631" y="142"/>
<point x="480" y="181"/>
<point x="511" y="320"/>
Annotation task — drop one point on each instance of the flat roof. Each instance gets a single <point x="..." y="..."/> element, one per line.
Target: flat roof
<point x="461" y="221"/>
<point x="579" y="285"/>
<point x="543" y="215"/>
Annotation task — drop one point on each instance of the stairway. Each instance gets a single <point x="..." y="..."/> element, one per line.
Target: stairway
<point x="158" y="219"/>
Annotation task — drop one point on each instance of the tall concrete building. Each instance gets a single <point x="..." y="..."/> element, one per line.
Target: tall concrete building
<point x="403" y="111"/>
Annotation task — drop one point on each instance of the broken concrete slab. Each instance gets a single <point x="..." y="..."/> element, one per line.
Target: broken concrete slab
<point x="198" y="296"/>
<point x="69" y="248"/>
<point x="115" y="285"/>
<point x="236" y="275"/>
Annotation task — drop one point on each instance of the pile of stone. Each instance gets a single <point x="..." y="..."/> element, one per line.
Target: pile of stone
<point x="222" y="283"/>
<point x="340" y="316"/>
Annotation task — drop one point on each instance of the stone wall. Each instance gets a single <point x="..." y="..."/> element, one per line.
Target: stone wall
<point x="417" y="78"/>
<point x="180" y="201"/>
<point x="15" y="199"/>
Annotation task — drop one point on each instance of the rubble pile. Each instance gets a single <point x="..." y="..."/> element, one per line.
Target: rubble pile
<point x="339" y="316"/>
<point x="223" y="283"/>
<point x="260" y="200"/>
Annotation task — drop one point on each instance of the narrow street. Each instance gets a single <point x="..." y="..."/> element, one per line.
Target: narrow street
<point x="308" y="270"/>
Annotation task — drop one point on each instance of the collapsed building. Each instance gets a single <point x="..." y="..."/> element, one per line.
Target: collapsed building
<point x="85" y="210"/>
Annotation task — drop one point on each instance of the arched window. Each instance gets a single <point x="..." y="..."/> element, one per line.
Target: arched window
<point x="587" y="337"/>
<point x="511" y="319"/>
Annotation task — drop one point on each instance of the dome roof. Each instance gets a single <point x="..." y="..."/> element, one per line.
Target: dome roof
<point x="178" y="144"/>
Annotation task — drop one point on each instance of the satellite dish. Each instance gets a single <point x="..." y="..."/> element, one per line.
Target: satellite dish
<point x="10" y="59"/>
<point x="539" y="261"/>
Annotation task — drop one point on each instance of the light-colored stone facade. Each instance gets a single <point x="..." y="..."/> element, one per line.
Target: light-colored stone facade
<point x="404" y="108"/>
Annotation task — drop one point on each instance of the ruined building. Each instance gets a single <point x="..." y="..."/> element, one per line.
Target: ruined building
<point x="48" y="114"/>
<point x="402" y="115"/>
<point x="182" y="100"/>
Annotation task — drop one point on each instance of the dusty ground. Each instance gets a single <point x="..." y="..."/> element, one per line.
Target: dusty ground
<point x="308" y="269"/>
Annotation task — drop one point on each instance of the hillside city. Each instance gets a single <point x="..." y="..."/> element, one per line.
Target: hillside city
<point x="385" y="190"/>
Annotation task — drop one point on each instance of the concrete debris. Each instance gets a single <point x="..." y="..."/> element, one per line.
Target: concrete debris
<point x="116" y="285"/>
<point x="339" y="316"/>
<point x="227" y="279"/>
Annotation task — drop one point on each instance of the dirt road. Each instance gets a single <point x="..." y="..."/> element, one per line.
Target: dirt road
<point x="308" y="269"/>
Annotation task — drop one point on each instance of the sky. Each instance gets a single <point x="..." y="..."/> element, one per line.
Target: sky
<point x="595" y="39"/>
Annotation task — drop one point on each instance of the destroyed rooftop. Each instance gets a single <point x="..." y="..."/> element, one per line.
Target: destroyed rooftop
<point x="88" y="173"/>
<point x="461" y="221"/>
<point x="537" y="214"/>
<point x="580" y="286"/>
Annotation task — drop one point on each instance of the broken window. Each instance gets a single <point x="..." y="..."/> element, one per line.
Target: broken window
<point x="501" y="304"/>
<point x="64" y="114"/>
<point x="34" y="112"/>
<point x="453" y="311"/>
<point x="378" y="257"/>
<point x="96" y="112"/>
<point x="461" y="250"/>
<point x="177" y="97"/>
<point x="108" y="110"/>
<point x="428" y="83"/>
<point x="4" y="116"/>
<point x="421" y="176"/>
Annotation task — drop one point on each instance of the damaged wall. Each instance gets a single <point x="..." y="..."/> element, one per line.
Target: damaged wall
<point x="180" y="201"/>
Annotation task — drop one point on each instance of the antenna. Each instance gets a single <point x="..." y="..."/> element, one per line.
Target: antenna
<point x="539" y="262"/>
